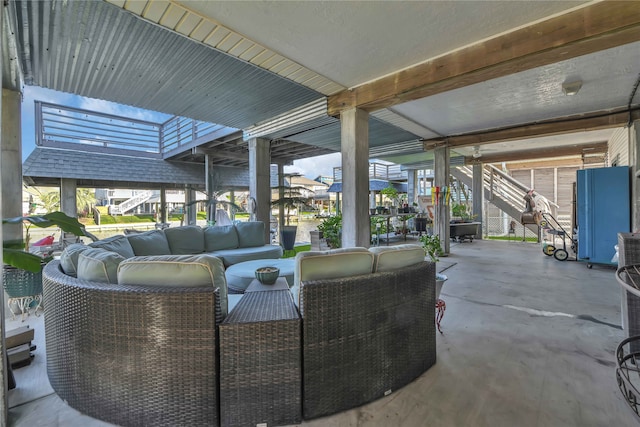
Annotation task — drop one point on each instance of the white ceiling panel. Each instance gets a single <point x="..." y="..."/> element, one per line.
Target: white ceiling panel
<point x="608" y="79"/>
<point x="352" y="42"/>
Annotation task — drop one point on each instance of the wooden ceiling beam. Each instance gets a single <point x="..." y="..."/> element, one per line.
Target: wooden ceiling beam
<point x="590" y="29"/>
<point x="540" y="153"/>
<point x="572" y="124"/>
<point x="544" y="164"/>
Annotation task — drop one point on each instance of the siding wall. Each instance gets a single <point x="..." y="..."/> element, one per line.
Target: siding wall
<point x="618" y="152"/>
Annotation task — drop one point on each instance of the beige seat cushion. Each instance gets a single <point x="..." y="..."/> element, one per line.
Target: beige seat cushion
<point x="389" y="258"/>
<point x="175" y="270"/>
<point x="331" y="264"/>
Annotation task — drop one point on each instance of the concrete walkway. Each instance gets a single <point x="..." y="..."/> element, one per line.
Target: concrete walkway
<point x="527" y="341"/>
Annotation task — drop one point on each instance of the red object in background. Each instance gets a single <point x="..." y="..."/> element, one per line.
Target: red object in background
<point x="45" y="241"/>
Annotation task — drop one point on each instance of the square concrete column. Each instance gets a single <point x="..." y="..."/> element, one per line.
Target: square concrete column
<point x="477" y="191"/>
<point x="441" y="179"/>
<point x="11" y="167"/>
<point x="190" y="213"/>
<point x="281" y="218"/>
<point x="412" y="186"/>
<point x="260" y="181"/>
<point x="163" y="205"/>
<point x="356" y="228"/>
<point x="68" y="203"/>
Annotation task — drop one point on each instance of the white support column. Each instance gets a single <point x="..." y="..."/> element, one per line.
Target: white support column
<point x="260" y="181"/>
<point x="190" y="207"/>
<point x="412" y="186"/>
<point x="477" y="191"/>
<point x="4" y="368"/>
<point x="68" y="202"/>
<point x="441" y="179"/>
<point x="11" y="169"/>
<point x="163" y="205"/>
<point x="208" y="183"/>
<point x="281" y="218"/>
<point x="356" y="229"/>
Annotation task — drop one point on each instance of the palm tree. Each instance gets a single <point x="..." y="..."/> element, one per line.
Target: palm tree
<point x="85" y="199"/>
<point x="50" y="201"/>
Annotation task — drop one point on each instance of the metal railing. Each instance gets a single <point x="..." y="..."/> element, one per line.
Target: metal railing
<point x="69" y="125"/>
<point x="57" y="125"/>
<point x="501" y="185"/>
<point x="377" y="171"/>
<point x="139" y="198"/>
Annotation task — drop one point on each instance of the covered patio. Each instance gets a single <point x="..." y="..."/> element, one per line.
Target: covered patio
<point x="526" y="341"/>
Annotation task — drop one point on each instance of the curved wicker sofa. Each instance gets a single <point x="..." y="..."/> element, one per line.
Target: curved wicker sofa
<point x="132" y="355"/>
<point x="143" y="355"/>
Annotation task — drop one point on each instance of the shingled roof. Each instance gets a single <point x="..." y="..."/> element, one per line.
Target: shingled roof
<point x="45" y="167"/>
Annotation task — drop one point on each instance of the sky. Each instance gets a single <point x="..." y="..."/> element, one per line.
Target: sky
<point x="311" y="167"/>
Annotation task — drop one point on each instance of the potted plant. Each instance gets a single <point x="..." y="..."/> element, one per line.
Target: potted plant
<point x="461" y="211"/>
<point x="392" y="194"/>
<point x="290" y="197"/>
<point x="432" y="246"/>
<point x="22" y="270"/>
<point x="331" y="230"/>
<point x="15" y="253"/>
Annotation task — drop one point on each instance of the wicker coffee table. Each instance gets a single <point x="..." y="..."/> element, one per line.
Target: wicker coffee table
<point x="260" y="361"/>
<point x="280" y="285"/>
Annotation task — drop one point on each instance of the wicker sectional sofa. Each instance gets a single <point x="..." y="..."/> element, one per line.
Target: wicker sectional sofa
<point x="150" y="353"/>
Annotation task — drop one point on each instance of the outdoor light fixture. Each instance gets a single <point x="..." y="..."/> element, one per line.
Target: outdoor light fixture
<point x="571" y="88"/>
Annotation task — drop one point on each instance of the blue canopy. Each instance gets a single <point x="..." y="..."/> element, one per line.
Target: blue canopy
<point x="374" y="185"/>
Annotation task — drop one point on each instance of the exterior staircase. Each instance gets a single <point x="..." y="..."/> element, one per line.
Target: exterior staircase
<point x="500" y="189"/>
<point x="124" y="207"/>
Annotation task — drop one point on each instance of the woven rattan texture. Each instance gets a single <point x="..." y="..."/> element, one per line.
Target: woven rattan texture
<point x="260" y="371"/>
<point x="364" y="336"/>
<point x="132" y="355"/>
<point x="629" y="254"/>
<point x="20" y="283"/>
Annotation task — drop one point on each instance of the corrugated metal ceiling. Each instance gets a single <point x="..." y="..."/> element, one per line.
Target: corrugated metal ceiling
<point x="95" y="49"/>
<point x="174" y="65"/>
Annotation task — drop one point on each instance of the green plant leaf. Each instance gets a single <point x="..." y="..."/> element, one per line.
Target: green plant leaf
<point x="22" y="259"/>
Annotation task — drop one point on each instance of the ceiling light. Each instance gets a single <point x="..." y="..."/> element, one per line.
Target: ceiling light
<point x="476" y="153"/>
<point x="571" y="88"/>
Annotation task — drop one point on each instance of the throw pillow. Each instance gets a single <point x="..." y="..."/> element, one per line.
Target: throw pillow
<point x="118" y="244"/>
<point x="220" y="237"/>
<point x="250" y="234"/>
<point x="152" y="242"/>
<point x="99" y="265"/>
<point x="69" y="258"/>
<point x="188" y="239"/>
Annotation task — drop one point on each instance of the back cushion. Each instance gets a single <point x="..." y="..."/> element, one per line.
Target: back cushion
<point x="331" y="264"/>
<point x="220" y="237"/>
<point x="118" y="244"/>
<point x="99" y="265"/>
<point x="185" y="240"/>
<point x="250" y="234"/>
<point x="69" y="258"/>
<point x="176" y="270"/>
<point x="151" y="242"/>
<point x="387" y="258"/>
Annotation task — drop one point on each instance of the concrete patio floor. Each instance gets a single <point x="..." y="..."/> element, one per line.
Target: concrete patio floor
<point x="527" y="341"/>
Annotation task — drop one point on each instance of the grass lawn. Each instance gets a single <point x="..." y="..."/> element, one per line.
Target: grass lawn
<point x="301" y="248"/>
